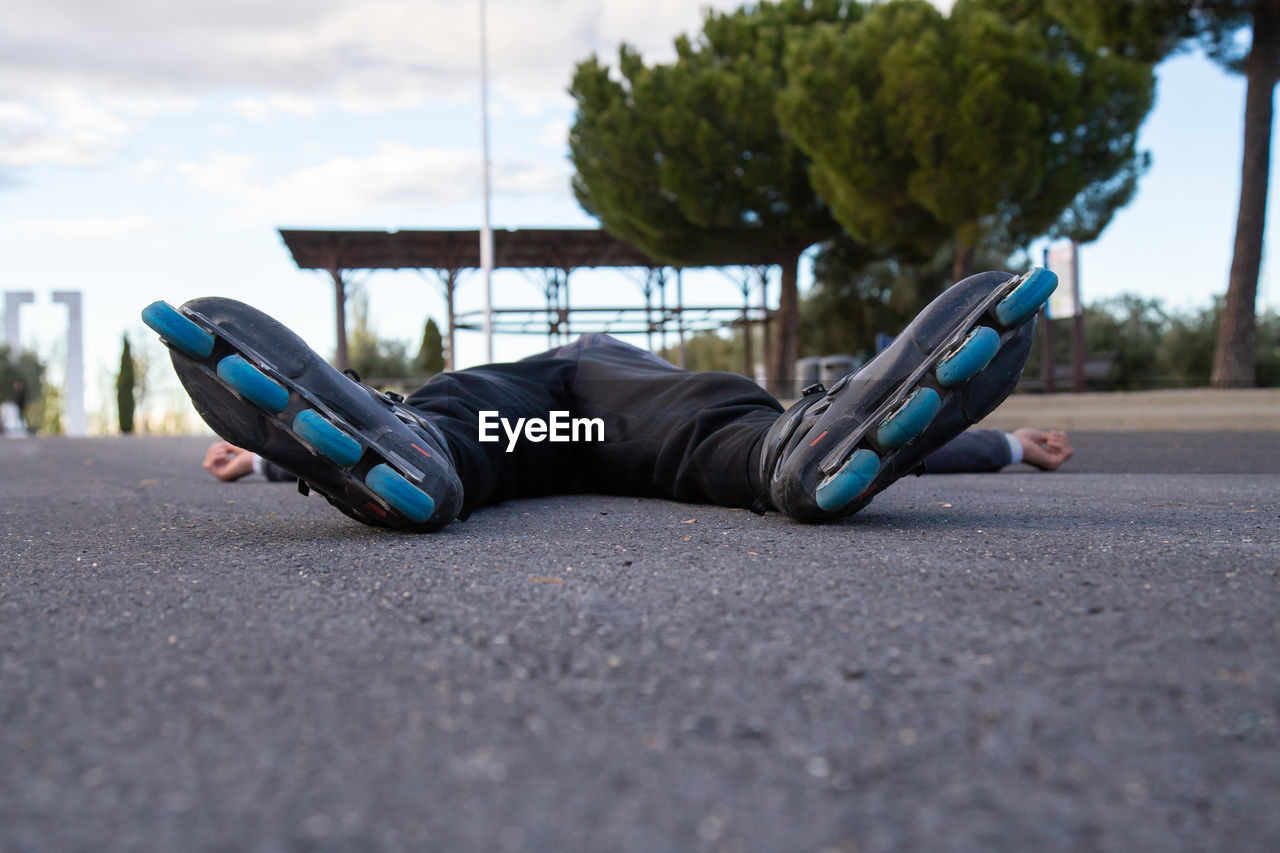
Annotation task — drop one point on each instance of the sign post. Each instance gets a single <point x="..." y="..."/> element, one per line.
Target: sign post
<point x="1065" y="303"/>
<point x="1077" y="322"/>
<point x="486" y="230"/>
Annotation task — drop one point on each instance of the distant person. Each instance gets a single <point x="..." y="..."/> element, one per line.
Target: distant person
<point x="13" y="419"/>
<point x="600" y="416"/>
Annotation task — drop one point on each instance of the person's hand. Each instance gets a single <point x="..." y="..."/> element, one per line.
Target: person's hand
<point x="1044" y="449"/>
<point x="228" y="462"/>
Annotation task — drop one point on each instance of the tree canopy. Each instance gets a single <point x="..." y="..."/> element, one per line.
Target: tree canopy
<point x="922" y="134"/>
<point x="996" y="123"/>
<point x="1151" y="30"/>
<point x="20" y="366"/>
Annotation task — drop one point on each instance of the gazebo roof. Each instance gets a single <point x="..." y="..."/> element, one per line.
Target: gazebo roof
<point x="524" y="248"/>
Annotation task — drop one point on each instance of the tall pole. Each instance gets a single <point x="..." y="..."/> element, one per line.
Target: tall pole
<point x="450" y="283"/>
<point x="486" y="230"/>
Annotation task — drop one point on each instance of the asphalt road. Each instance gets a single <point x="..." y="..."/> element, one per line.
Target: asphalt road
<point x="1086" y="660"/>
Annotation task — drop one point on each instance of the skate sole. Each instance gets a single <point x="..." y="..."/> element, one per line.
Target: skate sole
<point x="849" y="470"/>
<point x="390" y="489"/>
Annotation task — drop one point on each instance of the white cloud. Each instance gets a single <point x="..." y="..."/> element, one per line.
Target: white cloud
<point x="29" y="137"/>
<point x="67" y="126"/>
<point x="81" y="227"/>
<point x="223" y="174"/>
<point x="78" y="77"/>
<point x="350" y="49"/>
<point x="75" y="112"/>
<point x="146" y="169"/>
<point x="529" y="179"/>
<point x="146" y="106"/>
<point x="554" y="134"/>
<point x="257" y="109"/>
<point x="15" y="112"/>
<point x="394" y="174"/>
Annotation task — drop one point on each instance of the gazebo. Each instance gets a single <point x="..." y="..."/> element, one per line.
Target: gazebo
<point x="554" y="253"/>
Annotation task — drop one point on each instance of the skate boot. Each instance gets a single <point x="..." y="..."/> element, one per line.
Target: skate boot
<point x="831" y="452"/>
<point x="260" y="387"/>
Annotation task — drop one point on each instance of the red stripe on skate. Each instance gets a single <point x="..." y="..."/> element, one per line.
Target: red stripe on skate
<point x="819" y="438"/>
<point x="373" y="506"/>
<point x="420" y="450"/>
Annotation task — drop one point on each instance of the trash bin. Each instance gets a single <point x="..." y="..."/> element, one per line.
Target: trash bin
<point x="808" y="371"/>
<point x="836" y="367"/>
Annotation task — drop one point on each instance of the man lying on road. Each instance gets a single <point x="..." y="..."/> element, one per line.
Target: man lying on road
<point x="600" y="416"/>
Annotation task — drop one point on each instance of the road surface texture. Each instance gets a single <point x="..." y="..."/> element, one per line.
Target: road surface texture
<point x="1086" y="660"/>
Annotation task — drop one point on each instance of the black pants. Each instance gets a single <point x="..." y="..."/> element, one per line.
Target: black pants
<point x="668" y="433"/>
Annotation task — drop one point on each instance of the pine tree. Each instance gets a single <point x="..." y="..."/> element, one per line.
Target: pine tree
<point x="430" y="360"/>
<point x="995" y="124"/>
<point x="126" y="383"/>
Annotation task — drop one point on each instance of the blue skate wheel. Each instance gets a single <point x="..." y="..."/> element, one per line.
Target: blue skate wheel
<point x="327" y="439"/>
<point x="974" y="354"/>
<point x="910" y="419"/>
<point x="177" y="330"/>
<point x="404" y="497"/>
<point x="853" y="478"/>
<point x="1027" y="297"/>
<point x="252" y="384"/>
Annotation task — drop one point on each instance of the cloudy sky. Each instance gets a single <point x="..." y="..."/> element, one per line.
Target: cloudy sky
<point x="149" y="149"/>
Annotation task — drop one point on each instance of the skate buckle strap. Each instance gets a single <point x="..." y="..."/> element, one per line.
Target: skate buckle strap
<point x="385" y="396"/>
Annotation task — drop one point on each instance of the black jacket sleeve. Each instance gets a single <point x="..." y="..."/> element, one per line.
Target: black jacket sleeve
<point x="974" y="451"/>
<point x="275" y="473"/>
